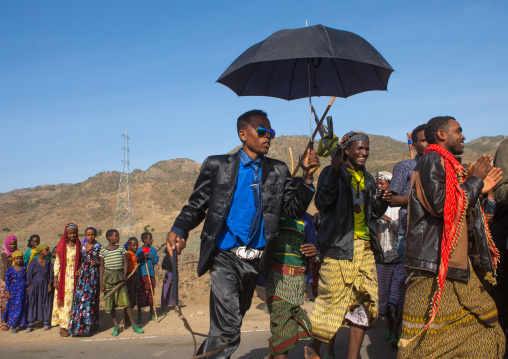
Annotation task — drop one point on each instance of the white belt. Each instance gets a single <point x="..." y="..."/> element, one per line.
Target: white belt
<point x="247" y="253"/>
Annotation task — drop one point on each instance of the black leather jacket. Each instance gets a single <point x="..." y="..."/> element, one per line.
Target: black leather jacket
<point x="212" y="194"/>
<point x="425" y="221"/>
<point x="334" y="200"/>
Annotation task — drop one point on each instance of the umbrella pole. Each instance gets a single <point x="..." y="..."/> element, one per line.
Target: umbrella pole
<point x="314" y="134"/>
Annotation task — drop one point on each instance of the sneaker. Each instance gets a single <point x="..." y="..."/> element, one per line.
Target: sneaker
<point x="388" y="332"/>
<point x="394" y="341"/>
<point x="137" y="329"/>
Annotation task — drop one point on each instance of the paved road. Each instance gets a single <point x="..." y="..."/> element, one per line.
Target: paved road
<point x="254" y="346"/>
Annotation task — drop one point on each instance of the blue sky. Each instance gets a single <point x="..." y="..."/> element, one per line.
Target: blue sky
<point x="74" y="74"/>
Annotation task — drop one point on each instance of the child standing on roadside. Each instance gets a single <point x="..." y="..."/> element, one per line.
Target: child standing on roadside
<point x="65" y="271"/>
<point x="147" y="257"/>
<point x="132" y="262"/>
<point x="85" y="308"/>
<point x="39" y="281"/>
<point x="112" y="273"/>
<point x="15" y="288"/>
<point x="33" y="242"/>
<point x="9" y="246"/>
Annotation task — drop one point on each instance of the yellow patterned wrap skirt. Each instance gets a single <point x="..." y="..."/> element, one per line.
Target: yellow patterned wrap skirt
<point x="343" y="286"/>
<point x="465" y="325"/>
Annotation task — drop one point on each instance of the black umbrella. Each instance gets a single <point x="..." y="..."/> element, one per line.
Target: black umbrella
<point x="307" y="62"/>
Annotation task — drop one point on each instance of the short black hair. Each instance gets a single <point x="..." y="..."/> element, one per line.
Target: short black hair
<point x="132" y="239"/>
<point x="435" y="124"/>
<point x="30" y="239"/>
<point x="414" y="134"/>
<point x="243" y="120"/>
<point x="145" y="236"/>
<point x="110" y="232"/>
<point x="92" y="228"/>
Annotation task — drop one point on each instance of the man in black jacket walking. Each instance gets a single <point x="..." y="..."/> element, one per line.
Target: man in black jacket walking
<point x="347" y="289"/>
<point x="447" y="311"/>
<point x="241" y="196"/>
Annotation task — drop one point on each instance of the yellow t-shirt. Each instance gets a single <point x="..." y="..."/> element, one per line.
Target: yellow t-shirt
<point x="358" y="190"/>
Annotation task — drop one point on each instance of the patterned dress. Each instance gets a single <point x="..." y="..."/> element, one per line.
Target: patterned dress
<point x="85" y="308"/>
<point x="3" y="297"/>
<point x="62" y="315"/>
<point x="17" y="305"/>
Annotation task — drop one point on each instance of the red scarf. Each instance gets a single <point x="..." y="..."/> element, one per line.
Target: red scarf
<point x="454" y="211"/>
<point x="61" y="250"/>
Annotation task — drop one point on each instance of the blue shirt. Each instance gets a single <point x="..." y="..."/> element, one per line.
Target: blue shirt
<point x="401" y="185"/>
<point x="154" y="259"/>
<point x="244" y="223"/>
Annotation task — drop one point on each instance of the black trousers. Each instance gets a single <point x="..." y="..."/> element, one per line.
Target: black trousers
<point x="233" y="281"/>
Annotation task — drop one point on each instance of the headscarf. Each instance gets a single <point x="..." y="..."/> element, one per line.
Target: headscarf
<point x="17" y="253"/>
<point x="29" y="245"/>
<point x="386" y="176"/>
<point x="351" y="137"/>
<point x="36" y="251"/>
<point x="61" y="250"/>
<point x="7" y="242"/>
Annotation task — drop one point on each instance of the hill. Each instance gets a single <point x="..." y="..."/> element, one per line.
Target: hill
<point x="160" y="191"/>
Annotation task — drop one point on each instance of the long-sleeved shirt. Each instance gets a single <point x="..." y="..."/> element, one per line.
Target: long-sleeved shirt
<point x="154" y="259"/>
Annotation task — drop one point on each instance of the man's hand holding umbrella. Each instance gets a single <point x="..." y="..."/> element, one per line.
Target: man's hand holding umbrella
<point x="311" y="160"/>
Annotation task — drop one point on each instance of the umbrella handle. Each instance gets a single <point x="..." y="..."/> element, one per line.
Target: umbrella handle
<point x="300" y="159"/>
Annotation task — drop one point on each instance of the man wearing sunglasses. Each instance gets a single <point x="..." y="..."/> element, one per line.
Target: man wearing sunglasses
<point x="240" y="197"/>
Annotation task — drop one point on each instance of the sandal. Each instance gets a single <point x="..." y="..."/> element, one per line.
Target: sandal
<point x="115" y="332"/>
<point x="309" y="353"/>
<point x="14" y="330"/>
<point x="47" y="326"/>
<point x="29" y="329"/>
<point x="394" y="341"/>
<point x="4" y="328"/>
<point x="63" y="332"/>
<point x="153" y="318"/>
<point x="137" y="329"/>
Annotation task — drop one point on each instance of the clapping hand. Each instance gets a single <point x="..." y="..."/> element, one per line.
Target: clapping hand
<point x="493" y="178"/>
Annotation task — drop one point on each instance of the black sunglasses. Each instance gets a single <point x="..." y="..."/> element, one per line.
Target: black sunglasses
<point x="262" y="131"/>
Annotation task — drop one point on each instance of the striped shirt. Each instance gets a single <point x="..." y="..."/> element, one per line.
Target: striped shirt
<point x="113" y="258"/>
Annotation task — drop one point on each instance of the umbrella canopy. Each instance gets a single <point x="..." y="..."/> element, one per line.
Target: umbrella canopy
<point x="307" y="62"/>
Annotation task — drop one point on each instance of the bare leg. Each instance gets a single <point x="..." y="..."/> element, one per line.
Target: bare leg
<point x="131" y="315"/>
<point x="315" y="345"/>
<point x="113" y="316"/>
<point x="356" y="335"/>
<point x="330" y="347"/>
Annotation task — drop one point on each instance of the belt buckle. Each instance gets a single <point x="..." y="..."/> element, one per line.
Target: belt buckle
<point x="291" y="271"/>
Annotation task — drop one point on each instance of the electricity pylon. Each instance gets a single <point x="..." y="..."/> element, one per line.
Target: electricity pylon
<point x="124" y="215"/>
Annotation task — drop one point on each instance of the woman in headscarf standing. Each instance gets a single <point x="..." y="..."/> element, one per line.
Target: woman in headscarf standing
<point x="85" y="308"/>
<point x="65" y="270"/>
<point x="10" y="245"/>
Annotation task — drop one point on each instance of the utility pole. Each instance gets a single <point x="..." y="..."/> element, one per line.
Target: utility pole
<point x="124" y="215"/>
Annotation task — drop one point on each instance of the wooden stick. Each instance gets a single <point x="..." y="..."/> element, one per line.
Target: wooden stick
<point x="292" y="159"/>
<point x="130" y="275"/>
<point x="151" y="290"/>
<point x="314" y="134"/>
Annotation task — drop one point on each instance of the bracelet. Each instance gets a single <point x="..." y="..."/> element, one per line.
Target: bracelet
<point x="308" y="181"/>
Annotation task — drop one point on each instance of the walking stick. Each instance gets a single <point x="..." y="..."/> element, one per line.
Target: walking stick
<point x="151" y="290"/>
<point x="185" y="321"/>
<point x="310" y="144"/>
